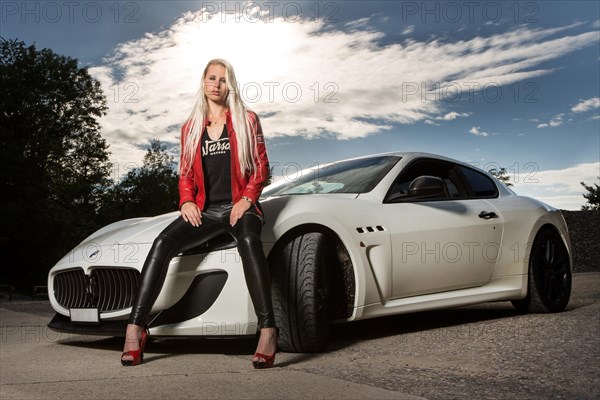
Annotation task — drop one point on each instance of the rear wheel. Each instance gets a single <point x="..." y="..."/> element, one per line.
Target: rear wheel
<point x="549" y="281"/>
<point x="300" y="294"/>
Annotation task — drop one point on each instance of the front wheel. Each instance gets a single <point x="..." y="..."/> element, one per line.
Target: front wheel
<point x="301" y="295"/>
<point x="549" y="280"/>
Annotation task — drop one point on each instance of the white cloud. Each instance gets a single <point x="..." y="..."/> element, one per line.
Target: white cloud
<point x="476" y="130"/>
<point x="492" y="23"/>
<point x="554" y="122"/>
<point x="582" y="106"/>
<point x="452" y="115"/>
<point x="408" y="30"/>
<point x="307" y="78"/>
<point x="358" y="23"/>
<point x="559" y="188"/>
<point x="586" y="105"/>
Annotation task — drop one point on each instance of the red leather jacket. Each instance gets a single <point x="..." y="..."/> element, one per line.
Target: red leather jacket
<point x="191" y="184"/>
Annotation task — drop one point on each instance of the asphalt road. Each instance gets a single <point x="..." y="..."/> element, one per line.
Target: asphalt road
<point x="478" y="352"/>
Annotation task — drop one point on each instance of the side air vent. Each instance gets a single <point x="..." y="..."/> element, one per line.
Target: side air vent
<point x="370" y="229"/>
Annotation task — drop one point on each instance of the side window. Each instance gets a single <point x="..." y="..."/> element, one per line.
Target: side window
<point x="451" y="188"/>
<point x="480" y="185"/>
<point x="440" y="169"/>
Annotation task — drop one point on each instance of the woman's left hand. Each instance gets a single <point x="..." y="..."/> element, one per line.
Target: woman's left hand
<point x="238" y="210"/>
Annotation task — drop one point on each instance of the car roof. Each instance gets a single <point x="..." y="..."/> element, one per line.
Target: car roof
<point x="412" y="155"/>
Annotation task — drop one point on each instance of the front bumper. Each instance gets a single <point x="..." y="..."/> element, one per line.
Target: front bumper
<point x="203" y="295"/>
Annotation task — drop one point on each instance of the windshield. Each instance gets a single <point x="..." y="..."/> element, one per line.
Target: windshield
<point x="353" y="176"/>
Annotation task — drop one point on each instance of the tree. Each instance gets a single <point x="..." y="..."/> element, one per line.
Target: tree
<point x="501" y="175"/>
<point x="146" y="191"/>
<point x="592" y="197"/>
<point x="53" y="159"/>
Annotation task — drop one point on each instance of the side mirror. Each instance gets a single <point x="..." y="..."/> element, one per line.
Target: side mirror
<point x="422" y="187"/>
<point x="426" y="186"/>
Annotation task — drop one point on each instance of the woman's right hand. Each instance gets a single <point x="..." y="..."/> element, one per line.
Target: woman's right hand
<point x="191" y="213"/>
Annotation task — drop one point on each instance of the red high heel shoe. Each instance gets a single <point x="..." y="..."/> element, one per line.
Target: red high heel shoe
<point x="138" y="355"/>
<point x="266" y="361"/>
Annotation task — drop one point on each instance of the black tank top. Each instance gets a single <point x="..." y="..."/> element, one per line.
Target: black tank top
<point x="216" y="163"/>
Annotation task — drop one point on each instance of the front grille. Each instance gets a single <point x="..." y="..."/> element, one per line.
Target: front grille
<point x="70" y="289"/>
<point x="108" y="289"/>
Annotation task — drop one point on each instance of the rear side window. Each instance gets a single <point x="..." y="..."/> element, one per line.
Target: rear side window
<point x="480" y="185"/>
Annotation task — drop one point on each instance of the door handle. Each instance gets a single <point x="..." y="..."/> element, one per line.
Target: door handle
<point x="488" y="215"/>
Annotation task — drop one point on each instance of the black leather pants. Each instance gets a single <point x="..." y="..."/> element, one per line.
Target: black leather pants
<point x="181" y="235"/>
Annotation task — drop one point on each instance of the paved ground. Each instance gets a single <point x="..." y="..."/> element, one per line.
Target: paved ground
<point x="476" y="352"/>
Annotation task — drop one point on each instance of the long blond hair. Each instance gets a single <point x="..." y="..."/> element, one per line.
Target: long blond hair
<point x="246" y="143"/>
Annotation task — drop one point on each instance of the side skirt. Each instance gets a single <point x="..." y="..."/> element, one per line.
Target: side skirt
<point x="506" y="288"/>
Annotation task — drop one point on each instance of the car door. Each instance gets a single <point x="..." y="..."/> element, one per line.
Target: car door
<point x="446" y="242"/>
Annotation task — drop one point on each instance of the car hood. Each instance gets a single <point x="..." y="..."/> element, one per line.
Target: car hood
<point x="145" y="230"/>
<point x="135" y="230"/>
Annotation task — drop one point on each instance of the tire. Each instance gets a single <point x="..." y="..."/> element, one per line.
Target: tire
<point x="550" y="277"/>
<point x="300" y="294"/>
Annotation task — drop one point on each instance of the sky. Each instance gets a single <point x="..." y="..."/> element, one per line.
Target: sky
<point x="512" y="84"/>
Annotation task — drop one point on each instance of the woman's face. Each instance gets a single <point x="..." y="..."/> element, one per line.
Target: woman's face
<point x="215" y="83"/>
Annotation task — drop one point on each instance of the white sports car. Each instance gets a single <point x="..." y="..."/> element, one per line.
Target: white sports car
<point x="355" y="239"/>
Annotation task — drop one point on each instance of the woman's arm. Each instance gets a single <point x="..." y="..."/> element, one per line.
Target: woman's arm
<point x="187" y="185"/>
<point x="257" y="180"/>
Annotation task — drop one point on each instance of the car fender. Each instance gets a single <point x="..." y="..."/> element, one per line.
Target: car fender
<point x="523" y="219"/>
<point x="342" y="214"/>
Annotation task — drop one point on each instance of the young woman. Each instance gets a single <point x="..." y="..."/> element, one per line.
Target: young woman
<point x="223" y="170"/>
